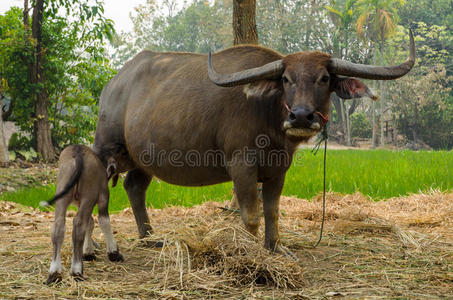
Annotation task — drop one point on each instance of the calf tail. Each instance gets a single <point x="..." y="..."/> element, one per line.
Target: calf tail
<point x="72" y="181"/>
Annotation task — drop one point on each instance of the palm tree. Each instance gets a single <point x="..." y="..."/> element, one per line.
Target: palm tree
<point x="379" y="18"/>
<point x="344" y="16"/>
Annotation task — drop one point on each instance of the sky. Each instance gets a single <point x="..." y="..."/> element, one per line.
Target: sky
<point x="117" y="10"/>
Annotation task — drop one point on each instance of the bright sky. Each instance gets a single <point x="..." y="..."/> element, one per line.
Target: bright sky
<point x="117" y="10"/>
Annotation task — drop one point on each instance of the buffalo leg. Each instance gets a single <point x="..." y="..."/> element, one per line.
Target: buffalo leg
<point x="58" y="232"/>
<point x="80" y="224"/>
<point x="104" y="222"/>
<point x="136" y="183"/>
<point x="272" y="190"/>
<point x="244" y="180"/>
<point x="88" y="246"/>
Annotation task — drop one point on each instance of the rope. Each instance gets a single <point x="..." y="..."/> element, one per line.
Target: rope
<point x="323" y="138"/>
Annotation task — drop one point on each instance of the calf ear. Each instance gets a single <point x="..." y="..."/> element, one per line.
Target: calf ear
<point x="111" y="170"/>
<point x="263" y="89"/>
<point x="115" y="180"/>
<point x="348" y="88"/>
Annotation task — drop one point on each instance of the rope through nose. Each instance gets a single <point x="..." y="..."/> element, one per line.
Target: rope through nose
<point x="324" y="118"/>
<point x="287" y="107"/>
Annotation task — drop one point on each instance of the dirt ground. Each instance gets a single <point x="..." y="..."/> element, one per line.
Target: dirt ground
<point x="400" y="248"/>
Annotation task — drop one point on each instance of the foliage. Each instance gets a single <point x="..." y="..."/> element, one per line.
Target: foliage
<point x="360" y="125"/>
<point x="19" y="141"/>
<point x="424" y="108"/>
<point x="15" y="53"/>
<point x="75" y="65"/>
<point x="434" y="45"/>
<point x="379" y="16"/>
<point x="422" y="100"/>
<point x="21" y="145"/>
<point x="437" y="12"/>
<point x="200" y="27"/>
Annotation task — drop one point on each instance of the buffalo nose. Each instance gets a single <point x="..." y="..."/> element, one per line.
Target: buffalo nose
<point x="300" y="117"/>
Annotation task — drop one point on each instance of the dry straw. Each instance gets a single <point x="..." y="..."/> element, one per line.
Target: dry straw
<point x="402" y="247"/>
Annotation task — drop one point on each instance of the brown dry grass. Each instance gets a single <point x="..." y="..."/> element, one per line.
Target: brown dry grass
<point x="399" y="248"/>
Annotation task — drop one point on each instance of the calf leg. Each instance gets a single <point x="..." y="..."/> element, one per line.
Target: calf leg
<point x="104" y="223"/>
<point x="58" y="233"/>
<point x="88" y="245"/>
<point x="136" y="183"/>
<point x="244" y="180"/>
<point x="81" y="222"/>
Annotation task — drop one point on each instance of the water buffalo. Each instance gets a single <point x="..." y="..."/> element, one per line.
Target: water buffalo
<point x="171" y="116"/>
<point x="82" y="178"/>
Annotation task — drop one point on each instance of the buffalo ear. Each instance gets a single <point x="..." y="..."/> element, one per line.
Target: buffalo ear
<point x="263" y="89"/>
<point x="348" y="88"/>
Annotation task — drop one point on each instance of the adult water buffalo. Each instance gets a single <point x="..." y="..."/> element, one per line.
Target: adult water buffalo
<point x="170" y="115"/>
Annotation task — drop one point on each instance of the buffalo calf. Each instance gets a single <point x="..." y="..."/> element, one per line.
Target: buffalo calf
<point x="82" y="179"/>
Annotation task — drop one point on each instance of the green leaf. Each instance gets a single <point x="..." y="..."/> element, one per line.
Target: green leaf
<point x="12" y="155"/>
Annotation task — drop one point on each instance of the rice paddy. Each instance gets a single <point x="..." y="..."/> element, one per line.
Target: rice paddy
<point x="379" y="174"/>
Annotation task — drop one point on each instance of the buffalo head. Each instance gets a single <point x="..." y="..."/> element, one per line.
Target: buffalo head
<point x="304" y="81"/>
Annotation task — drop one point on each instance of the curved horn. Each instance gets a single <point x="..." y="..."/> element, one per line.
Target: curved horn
<point x="342" y="67"/>
<point x="271" y="70"/>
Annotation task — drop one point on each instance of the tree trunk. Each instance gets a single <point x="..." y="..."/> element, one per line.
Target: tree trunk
<point x="244" y="32"/>
<point x="413" y="127"/>
<point x="373" y="111"/>
<point x="382" y="102"/>
<point x="41" y="126"/>
<point x="342" y="113"/>
<point x="3" y="146"/>
<point x="25" y="14"/>
<point x="244" y="22"/>
<point x="348" y="127"/>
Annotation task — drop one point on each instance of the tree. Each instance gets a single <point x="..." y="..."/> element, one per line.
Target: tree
<point x="344" y="16"/>
<point x="58" y="84"/>
<point x="244" y="22"/>
<point x="422" y="100"/>
<point x="424" y="109"/>
<point x="3" y="147"/>
<point x="40" y="96"/>
<point x="380" y="18"/>
<point x="200" y="27"/>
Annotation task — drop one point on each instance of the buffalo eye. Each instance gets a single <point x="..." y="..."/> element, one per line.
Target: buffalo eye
<point x="284" y="79"/>
<point x="325" y="78"/>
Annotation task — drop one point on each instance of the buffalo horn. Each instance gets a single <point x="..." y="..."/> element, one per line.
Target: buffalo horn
<point x="346" y="68"/>
<point x="271" y="70"/>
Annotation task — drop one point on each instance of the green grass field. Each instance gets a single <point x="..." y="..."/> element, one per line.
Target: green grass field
<point x="376" y="173"/>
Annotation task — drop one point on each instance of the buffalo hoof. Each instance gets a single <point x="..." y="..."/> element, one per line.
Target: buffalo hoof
<point x="78" y="277"/>
<point x="116" y="256"/>
<point x="53" y="278"/>
<point x="286" y="252"/>
<point x="89" y="257"/>
<point x="153" y="244"/>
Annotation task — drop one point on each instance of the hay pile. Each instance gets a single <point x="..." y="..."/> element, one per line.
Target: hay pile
<point x="402" y="247"/>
